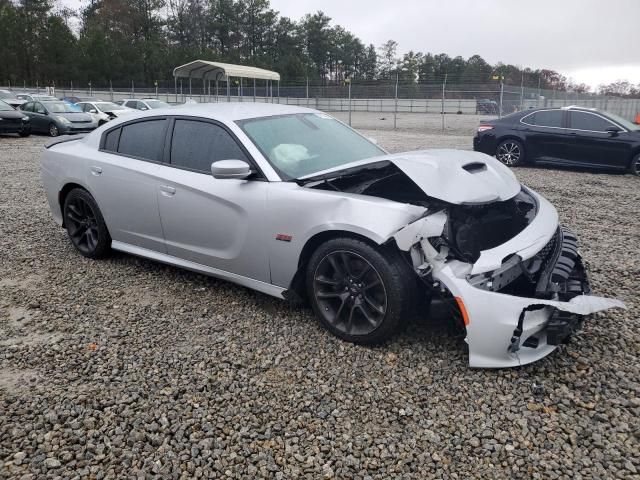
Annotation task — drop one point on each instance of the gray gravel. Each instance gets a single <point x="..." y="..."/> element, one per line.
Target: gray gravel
<point x="125" y="368"/>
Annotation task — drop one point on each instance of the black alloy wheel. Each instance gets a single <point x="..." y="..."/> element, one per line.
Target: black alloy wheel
<point x="85" y="225"/>
<point x="510" y="153"/>
<point x="350" y="293"/>
<point x="635" y="165"/>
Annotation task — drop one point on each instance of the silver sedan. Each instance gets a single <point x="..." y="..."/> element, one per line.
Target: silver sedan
<point x="293" y="203"/>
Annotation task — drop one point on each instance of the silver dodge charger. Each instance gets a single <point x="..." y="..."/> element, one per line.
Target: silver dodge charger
<point x="293" y="203"/>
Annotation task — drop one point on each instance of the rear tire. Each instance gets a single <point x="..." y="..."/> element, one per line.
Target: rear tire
<point x="634" y="168"/>
<point x="85" y="225"/>
<point x="510" y="152"/>
<point x="361" y="293"/>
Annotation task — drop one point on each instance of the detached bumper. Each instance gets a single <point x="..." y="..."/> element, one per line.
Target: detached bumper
<point x="527" y="323"/>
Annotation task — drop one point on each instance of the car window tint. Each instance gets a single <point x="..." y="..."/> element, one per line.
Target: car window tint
<point x="39" y="108"/>
<point x="587" y="121"/>
<point x="111" y="140"/>
<point x="196" y="145"/>
<point x="27" y="107"/>
<point x="549" y="118"/>
<point x="143" y="139"/>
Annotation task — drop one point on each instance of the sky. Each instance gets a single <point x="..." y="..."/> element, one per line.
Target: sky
<point x="588" y="41"/>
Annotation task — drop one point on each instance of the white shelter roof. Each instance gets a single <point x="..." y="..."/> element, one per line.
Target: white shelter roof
<point x="221" y="71"/>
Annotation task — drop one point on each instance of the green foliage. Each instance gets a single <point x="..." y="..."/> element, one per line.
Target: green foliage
<point x="140" y="41"/>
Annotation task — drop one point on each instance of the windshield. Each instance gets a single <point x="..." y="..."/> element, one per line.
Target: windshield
<point x="108" y="106"/>
<point x="624" y="122"/>
<point x="62" y="107"/>
<point x="306" y="143"/>
<point x="5" y="106"/>
<point x="157" y="104"/>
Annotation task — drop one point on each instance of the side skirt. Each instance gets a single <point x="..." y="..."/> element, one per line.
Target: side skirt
<point x="263" y="287"/>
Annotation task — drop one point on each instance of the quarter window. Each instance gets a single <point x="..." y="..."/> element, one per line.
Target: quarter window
<point x="588" y="121"/>
<point x="143" y="139"/>
<point x="111" y="140"/>
<point x="548" y="118"/>
<point x="196" y="145"/>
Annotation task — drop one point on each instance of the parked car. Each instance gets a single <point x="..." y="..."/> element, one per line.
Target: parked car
<point x="31" y="97"/>
<point x="144" y="103"/>
<point x="293" y="203"/>
<point x="570" y="136"/>
<point x="57" y="117"/>
<point x="75" y="100"/>
<point x="13" y="121"/>
<point x="102" y="112"/>
<point x="9" y="98"/>
<point x="487" y="106"/>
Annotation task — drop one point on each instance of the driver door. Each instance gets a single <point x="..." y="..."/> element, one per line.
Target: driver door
<point x="219" y="223"/>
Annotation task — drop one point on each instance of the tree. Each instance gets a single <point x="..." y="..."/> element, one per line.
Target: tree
<point x="388" y="62"/>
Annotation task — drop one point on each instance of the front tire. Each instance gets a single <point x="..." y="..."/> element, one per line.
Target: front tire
<point x="85" y="225"/>
<point x="510" y="152"/>
<point x="360" y="293"/>
<point x="635" y="165"/>
<point x="25" y="133"/>
<point x="53" y="130"/>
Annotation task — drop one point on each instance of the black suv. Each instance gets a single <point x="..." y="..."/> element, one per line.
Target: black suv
<point x="570" y="136"/>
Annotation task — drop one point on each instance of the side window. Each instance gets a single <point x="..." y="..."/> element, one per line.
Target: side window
<point x="196" y="145"/>
<point x="86" y="107"/>
<point x="111" y="140"/>
<point x="39" y="108"/>
<point x="143" y="139"/>
<point x="587" y="121"/>
<point x="130" y="103"/>
<point x="549" y="118"/>
<point x="27" y="107"/>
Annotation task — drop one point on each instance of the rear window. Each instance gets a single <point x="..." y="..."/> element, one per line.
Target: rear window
<point x="143" y="139"/>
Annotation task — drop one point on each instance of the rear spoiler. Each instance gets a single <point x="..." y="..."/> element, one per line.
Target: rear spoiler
<point x="64" y="139"/>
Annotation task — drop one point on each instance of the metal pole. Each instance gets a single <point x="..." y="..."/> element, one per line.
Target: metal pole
<point x="307" y="92"/>
<point x="254" y="90"/>
<point x="444" y="85"/>
<point x="501" y="95"/>
<point x="240" y="89"/>
<point x="111" y="90"/>
<point x="217" y="93"/>
<point x="228" y="91"/>
<point x="133" y="90"/>
<point x="190" y="85"/>
<point x="395" y="108"/>
<point x="278" y="91"/>
<point x="72" y="88"/>
<point x="539" y="92"/>
<point x="175" y="87"/>
<point x="349" y="102"/>
<point x="521" y="90"/>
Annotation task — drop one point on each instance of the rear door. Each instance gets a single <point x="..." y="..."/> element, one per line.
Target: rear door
<point x="593" y="145"/>
<point x="123" y="177"/>
<point x="214" y="222"/>
<point x="547" y="138"/>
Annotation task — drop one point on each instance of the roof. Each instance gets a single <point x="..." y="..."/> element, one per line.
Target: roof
<point x="237" y="110"/>
<point x="221" y="71"/>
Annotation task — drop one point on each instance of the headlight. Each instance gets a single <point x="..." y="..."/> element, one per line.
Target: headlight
<point x="25" y="119"/>
<point x="63" y="120"/>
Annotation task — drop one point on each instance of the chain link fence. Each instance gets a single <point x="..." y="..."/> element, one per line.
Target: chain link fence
<point x="379" y="104"/>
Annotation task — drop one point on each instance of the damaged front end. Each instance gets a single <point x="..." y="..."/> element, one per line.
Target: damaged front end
<point x="514" y="270"/>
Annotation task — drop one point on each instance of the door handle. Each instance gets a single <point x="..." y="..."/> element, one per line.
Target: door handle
<point x="167" y="190"/>
<point x="96" y="171"/>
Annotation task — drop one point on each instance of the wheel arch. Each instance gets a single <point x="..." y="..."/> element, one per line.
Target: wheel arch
<point x="634" y="153"/>
<point x="64" y="191"/>
<point x="297" y="287"/>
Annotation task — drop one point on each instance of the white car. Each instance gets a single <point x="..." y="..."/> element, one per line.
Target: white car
<point x="144" y="103"/>
<point x="102" y="112"/>
<point x="293" y="203"/>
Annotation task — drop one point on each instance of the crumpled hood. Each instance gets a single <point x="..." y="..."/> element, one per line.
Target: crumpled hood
<point x="453" y="176"/>
<point x="458" y="176"/>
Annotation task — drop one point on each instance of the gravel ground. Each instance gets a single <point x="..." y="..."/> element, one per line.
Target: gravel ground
<point x="125" y="368"/>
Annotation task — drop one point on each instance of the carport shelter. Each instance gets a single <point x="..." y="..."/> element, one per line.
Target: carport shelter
<point x="224" y="72"/>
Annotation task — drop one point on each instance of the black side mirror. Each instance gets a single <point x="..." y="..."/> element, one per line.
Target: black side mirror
<point x="613" y="131"/>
